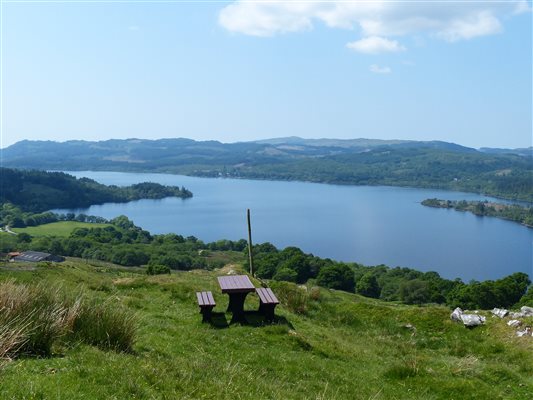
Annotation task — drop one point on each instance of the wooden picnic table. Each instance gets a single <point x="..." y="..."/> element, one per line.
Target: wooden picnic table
<point x="237" y="287"/>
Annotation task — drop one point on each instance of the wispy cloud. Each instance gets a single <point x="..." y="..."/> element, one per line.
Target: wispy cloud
<point x="376" y="69"/>
<point x="376" y="20"/>
<point x="375" y="45"/>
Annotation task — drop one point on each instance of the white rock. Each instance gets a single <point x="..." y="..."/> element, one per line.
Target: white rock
<point x="516" y="315"/>
<point x="456" y="315"/>
<point x="500" y="312"/>
<point x="526" y="332"/>
<point x="527" y="311"/>
<point x="472" y="319"/>
<point x="514" y="323"/>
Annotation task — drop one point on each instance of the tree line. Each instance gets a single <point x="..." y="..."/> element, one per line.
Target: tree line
<point x="123" y="243"/>
<point x="39" y="191"/>
<point x="512" y="212"/>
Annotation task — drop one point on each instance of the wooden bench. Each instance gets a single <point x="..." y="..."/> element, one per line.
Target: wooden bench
<point x="206" y="303"/>
<point x="267" y="302"/>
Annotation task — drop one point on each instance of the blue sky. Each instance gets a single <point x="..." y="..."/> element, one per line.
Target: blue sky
<point x="238" y="71"/>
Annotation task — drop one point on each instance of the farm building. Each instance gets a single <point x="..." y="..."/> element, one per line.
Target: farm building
<point x="36" y="256"/>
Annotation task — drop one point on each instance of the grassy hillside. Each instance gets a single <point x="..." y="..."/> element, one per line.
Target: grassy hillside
<point x="61" y="228"/>
<point x="324" y="345"/>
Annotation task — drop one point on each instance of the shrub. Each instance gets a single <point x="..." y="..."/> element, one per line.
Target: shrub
<point x="157" y="269"/>
<point x="291" y="296"/>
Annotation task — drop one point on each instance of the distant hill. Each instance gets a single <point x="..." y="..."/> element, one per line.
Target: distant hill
<point x="433" y="164"/>
<point x="363" y="144"/>
<point x="528" y="151"/>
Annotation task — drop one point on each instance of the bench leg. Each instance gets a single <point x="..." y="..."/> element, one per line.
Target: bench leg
<point x="206" y="313"/>
<point x="267" y="310"/>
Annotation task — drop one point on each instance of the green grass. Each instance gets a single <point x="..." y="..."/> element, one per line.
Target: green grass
<point x="61" y="228"/>
<point x="332" y="345"/>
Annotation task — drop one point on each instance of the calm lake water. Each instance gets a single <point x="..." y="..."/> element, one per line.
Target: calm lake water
<point x="366" y="224"/>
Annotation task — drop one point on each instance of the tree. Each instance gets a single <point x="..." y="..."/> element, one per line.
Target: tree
<point x="285" y="274"/>
<point x="368" y="286"/>
<point x="337" y="276"/>
<point x="415" y="291"/>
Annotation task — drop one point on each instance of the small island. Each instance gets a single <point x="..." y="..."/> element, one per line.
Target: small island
<point x="511" y="212"/>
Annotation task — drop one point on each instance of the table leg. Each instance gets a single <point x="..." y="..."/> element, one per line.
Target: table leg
<point x="236" y="306"/>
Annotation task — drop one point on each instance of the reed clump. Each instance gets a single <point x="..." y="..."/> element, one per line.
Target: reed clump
<point x="34" y="318"/>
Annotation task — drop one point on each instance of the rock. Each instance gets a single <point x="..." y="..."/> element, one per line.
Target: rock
<point x="456" y="315"/>
<point x="526" y="332"/>
<point x="500" y="312"/>
<point x="472" y="319"/>
<point x="527" y="311"/>
<point x="514" y="323"/>
<point x="516" y="315"/>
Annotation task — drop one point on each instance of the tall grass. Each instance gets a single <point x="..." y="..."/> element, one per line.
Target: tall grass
<point x="33" y="318"/>
<point x="106" y="325"/>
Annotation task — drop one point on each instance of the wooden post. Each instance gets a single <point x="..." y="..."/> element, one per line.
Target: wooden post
<point x="250" y="256"/>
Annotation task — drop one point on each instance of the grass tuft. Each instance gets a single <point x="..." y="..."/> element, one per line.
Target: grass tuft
<point x="107" y="325"/>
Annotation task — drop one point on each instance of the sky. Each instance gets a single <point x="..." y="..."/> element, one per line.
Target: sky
<point x="458" y="71"/>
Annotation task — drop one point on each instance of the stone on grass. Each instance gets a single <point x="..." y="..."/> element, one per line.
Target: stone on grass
<point x="527" y="311"/>
<point x="456" y="315"/>
<point x="472" y="319"/>
<point x="500" y="312"/>
<point x="526" y="332"/>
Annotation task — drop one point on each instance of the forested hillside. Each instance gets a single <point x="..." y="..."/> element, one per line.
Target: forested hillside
<point x="353" y="162"/>
<point x="41" y="191"/>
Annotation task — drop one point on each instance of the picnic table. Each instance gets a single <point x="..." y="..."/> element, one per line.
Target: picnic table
<point x="237" y="287"/>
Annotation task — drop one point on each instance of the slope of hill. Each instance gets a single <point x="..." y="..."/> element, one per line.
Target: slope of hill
<point x="324" y="345"/>
<point x="359" y="162"/>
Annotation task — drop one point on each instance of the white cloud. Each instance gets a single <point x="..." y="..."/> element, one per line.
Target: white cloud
<point x="376" y="69"/>
<point x="481" y="24"/>
<point x="450" y="21"/>
<point x="375" y="45"/>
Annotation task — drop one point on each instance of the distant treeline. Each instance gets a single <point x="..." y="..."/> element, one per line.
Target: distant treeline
<point x="125" y="244"/>
<point x="512" y="212"/>
<point x="40" y="191"/>
<point x="437" y="165"/>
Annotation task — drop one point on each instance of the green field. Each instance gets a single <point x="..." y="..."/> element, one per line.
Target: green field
<point x="325" y="344"/>
<point x="62" y="228"/>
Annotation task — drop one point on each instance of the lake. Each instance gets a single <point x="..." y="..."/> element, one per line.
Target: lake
<point x="367" y="224"/>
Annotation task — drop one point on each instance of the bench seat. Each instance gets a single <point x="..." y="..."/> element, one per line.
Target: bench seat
<point x="206" y="303"/>
<point x="267" y="302"/>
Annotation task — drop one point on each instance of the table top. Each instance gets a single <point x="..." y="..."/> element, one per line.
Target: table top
<point x="235" y="284"/>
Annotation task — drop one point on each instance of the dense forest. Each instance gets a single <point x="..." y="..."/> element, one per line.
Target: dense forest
<point x="123" y="243"/>
<point x="41" y="191"/>
<point x="504" y="173"/>
<point x="512" y="212"/>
